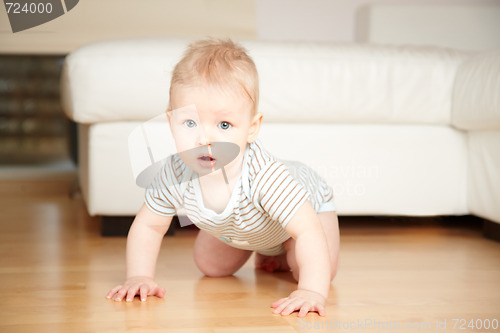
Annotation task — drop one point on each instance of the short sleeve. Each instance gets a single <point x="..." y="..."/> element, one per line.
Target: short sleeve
<point x="277" y="193"/>
<point x="321" y="197"/>
<point x="163" y="196"/>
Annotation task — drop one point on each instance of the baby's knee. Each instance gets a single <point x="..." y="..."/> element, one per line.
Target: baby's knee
<point x="215" y="271"/>
<point x="211" y="270"/>
<point x="219" y="265"/>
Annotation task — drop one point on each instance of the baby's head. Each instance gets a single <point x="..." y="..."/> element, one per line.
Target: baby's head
<point x="219" y="64"/>
<point x="214" y="96"/>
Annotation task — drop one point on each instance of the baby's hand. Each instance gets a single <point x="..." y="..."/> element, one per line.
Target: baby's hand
<point x="138" y="285"/>
<point x="303" y="300"/>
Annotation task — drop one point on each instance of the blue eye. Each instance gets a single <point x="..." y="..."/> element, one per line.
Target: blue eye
<point x="224" y="125"/>
<point x="190" y="123"/>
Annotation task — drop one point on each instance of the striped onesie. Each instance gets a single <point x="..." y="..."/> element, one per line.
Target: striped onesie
<point x="265" y="198"/>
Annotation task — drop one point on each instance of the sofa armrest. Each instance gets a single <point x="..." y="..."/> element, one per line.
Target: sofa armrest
<point x="119" y="80"/>
<point x="476" y="94"/>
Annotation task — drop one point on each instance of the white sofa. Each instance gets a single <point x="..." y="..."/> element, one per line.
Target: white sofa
<point x="412" y="131"/>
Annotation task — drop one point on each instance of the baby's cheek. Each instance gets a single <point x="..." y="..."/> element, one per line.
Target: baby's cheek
<point x="183" y="141"/>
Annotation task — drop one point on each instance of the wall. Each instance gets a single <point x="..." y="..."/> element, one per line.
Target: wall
<point x="461" y="26"/>
<point x="97" y="20"/>
<point x="331" y="20"/>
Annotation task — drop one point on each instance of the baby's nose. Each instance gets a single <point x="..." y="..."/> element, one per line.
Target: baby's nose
<point x="203" y="138"/>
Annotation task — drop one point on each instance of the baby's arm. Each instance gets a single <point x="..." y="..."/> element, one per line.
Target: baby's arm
<point x="313" y="260"/>
<point x="143" y="244"/>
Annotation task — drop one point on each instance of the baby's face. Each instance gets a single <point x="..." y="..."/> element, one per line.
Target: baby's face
<point x="201" y="116"/>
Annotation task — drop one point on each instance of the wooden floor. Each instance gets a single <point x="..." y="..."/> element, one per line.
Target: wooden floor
<point x="55" y="270"/>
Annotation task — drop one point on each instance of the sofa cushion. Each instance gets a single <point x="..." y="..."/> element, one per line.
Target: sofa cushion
<point x="348" y="83"/>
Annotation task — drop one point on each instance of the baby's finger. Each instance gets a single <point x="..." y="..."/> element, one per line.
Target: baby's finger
<point x="113" y="291"/>
<point x="306" y="307"/>
<point x="144" y="292"/>
<point x="278" y="302"/>
<point x="321" y="310"/>
<point x="120" y="294"/>
<point x="283" y="306"/>
<point x="158" y="292"/>
<point x="132" y="291"/>
<point x="294" y="305"/>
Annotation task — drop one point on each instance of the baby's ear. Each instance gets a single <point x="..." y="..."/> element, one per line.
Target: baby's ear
<point x="169" y="118"/>
<point x="254" y="127"/>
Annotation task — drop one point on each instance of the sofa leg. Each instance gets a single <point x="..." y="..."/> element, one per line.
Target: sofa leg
<point x="119" y="225"/>
<point x="491" y="230"/>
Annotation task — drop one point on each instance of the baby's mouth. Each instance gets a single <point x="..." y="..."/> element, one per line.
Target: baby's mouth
<point x="206" y="158"/>
<point x="207" y="162"/>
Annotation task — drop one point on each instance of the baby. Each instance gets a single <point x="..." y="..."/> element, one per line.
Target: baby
<point x="242" y="198"/>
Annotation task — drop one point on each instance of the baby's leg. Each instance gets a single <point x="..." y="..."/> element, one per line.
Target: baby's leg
<point x="216" y="259"/>
<point x="330" y="224"/>
<point x="272" y="263"/>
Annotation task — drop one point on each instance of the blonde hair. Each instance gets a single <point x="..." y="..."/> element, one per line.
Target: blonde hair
<point x="218" y="63"/>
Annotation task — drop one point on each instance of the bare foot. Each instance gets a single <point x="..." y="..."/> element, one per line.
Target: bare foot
<point x="271" y="263"/>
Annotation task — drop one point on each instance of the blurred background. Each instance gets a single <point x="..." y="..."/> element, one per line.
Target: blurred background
<point x="37" y="140"/>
